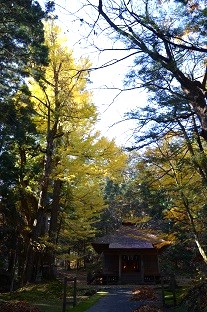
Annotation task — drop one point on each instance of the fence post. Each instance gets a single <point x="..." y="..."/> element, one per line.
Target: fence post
<point x="75" y="292"/>
<point x="163" y="292"/>
<point x="64" y="294"/>
<point x="173" y="285"/>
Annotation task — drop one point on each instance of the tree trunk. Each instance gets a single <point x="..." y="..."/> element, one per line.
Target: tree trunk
<point x="50" y="270"/>
<point x="55" y="208"/>
<point x="40" y="226"/>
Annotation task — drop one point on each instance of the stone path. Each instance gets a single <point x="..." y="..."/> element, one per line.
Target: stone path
<point x="117" y="300"/>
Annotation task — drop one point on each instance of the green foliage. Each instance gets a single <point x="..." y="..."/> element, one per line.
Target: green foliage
<point x="180" y="293"/>
<point x="195" y="298"/>
<point x="22" y="53"/>
<point x="167" y="42"/>
<point x="173" y="181"/>
<point x="168" y="39"/>
<point x="181" y="257"/>
<point x="134" y="200"/>
<point x="22" y="42"/>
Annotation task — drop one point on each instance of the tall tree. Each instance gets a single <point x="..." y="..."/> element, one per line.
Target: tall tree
<point x="168" y="45"/>
<point x="170" y="169"/>
<point x="23" y="52"/>
<point x="22" y="42"/>
<point x="75" y="156"/>
<point x="133" y="199"/>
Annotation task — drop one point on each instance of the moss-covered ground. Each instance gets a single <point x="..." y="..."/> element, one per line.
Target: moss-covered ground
<point x="48" y="297"/>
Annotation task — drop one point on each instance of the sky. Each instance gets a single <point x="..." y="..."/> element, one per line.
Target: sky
<point x="106" y="82"/>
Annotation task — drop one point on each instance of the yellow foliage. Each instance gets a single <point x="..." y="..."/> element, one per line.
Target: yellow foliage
<point x="65" y="117"/>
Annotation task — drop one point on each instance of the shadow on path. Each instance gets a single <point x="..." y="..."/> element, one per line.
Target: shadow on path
<point x="117" y="300"/>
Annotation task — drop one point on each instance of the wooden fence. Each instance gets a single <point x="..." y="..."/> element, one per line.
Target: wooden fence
<point x="65" y="301"/>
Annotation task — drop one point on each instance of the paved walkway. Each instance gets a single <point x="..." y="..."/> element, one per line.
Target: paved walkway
<point x="117" y="300"/>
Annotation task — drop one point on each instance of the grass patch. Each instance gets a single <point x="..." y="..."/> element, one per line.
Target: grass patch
<point x="179" y="295"/>
<point x="83" y="306"/>
<point x="49" y="306"/>
<point x="35" y="292"/>
<point x="48" y="296"/>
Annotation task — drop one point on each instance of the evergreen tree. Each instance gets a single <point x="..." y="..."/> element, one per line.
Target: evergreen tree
<point x="23" y="52"/>
<point x="168" y="42"/>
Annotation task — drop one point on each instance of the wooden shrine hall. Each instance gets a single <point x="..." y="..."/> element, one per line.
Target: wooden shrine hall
<point x="129" y="255"/>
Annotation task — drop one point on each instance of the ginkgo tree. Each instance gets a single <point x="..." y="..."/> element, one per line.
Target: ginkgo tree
<point x="73" y="159"/>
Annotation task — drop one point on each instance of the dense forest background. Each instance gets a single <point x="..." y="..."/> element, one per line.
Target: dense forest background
<point x="61" y="182"/>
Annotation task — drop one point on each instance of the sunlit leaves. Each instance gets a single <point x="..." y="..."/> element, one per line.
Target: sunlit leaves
<point x="80" y="158"/>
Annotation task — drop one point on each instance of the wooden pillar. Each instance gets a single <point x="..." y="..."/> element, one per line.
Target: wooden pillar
<point x="75" y="292"/>
<point x="64" y="294"/>
<point x="120" y="265"/>
<point x="142" y="268"/>
<point x="104" y="262"/>
<point x="158" y="263"/>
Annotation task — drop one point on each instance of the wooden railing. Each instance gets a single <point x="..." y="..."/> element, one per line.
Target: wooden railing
<point x="152" y="279"/>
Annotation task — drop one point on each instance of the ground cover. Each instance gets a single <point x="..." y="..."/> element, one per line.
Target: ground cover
<point x="150" y="294"/>
<point x="148" y="308"/>
<point x="191" y="298"/>
<point x="84" y="305"/>
<point x="144" y="293"/>
<point x="17" y="306"/>
<point x="180" y="293"/>
<point x="47" y="297"/>
<point x="195" y="299"/>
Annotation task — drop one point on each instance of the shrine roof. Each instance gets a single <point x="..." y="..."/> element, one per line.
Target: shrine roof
<point x="130" y="237"/>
